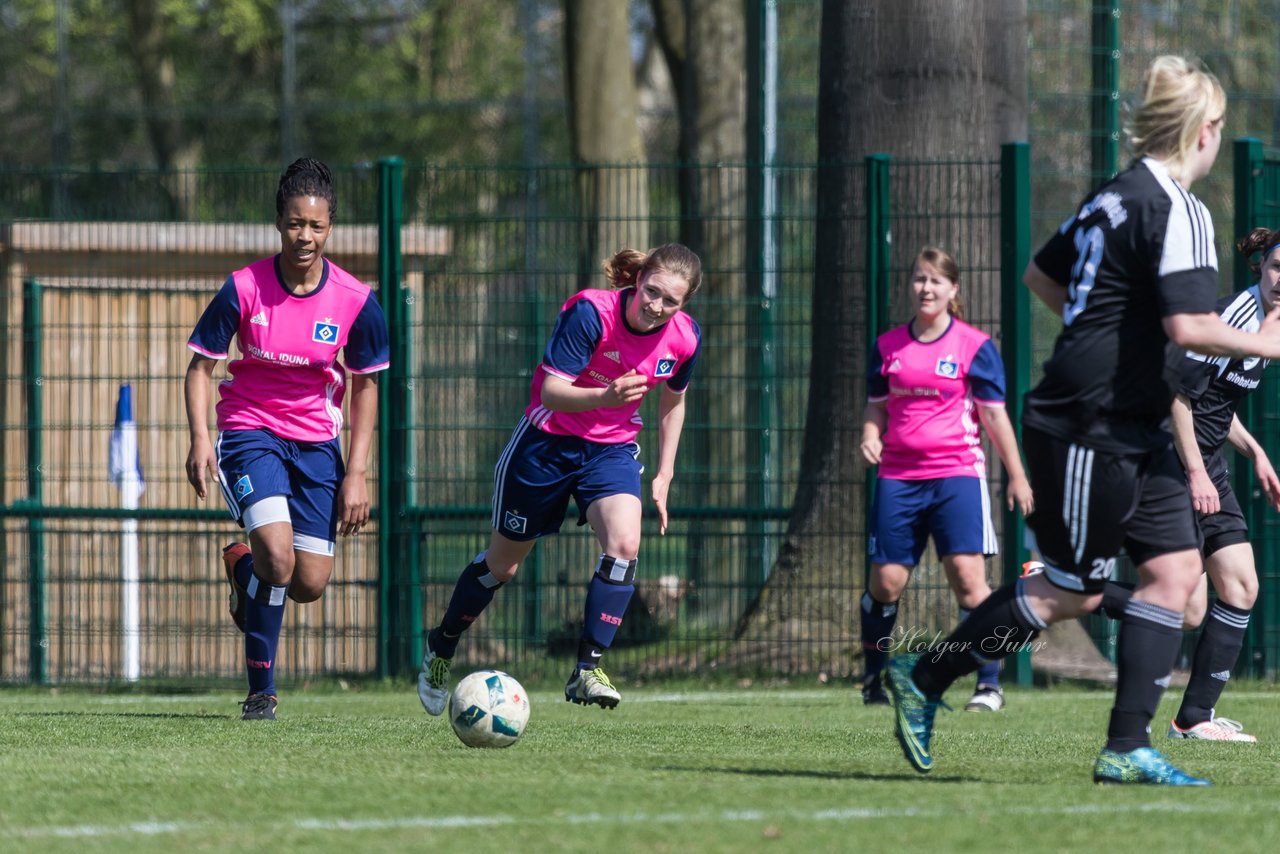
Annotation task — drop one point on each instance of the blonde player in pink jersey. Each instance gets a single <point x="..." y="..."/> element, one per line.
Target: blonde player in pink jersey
<point x="608" y="350"/>
<point x="301" y="324"/>
<point x="930" y="384"/>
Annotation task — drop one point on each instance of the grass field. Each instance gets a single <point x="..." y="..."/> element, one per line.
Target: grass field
<point x="732" y="769"/>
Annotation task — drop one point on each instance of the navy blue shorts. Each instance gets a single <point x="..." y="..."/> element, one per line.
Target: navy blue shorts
<point x="257" y="464"/>
<point x="538" y="472"/>
<point x="955" y="511"/>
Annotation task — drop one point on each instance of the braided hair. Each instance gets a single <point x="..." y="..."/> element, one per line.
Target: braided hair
<point x="306" y="176"/>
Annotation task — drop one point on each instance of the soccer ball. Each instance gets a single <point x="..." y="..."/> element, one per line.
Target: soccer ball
<point x="489" y="708"/>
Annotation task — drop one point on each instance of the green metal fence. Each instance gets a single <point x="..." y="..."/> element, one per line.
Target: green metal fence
<point x="472" y="264"/>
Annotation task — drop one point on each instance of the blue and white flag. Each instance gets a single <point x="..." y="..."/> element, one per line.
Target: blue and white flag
<point x="125" y="468"/>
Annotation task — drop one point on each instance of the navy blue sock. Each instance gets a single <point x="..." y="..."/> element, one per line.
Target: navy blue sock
<point x="1145" y="651"/>
<point x="263" y="615"/>
<point x="989" y="672"/>
<point x="607" y="597"/>
<point x="472" y="593"/>
<point x="877" y="630"/>
<point x="1001" y="625"/>
<point x="1216" y="653"/>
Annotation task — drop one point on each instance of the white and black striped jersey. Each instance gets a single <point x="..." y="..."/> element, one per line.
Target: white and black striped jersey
<point x="1139" y="249"/>
<point x="1215" y="385"/>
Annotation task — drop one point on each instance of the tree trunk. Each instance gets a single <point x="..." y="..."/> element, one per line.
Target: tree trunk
<point x="603" y="106"/>
<point x="704" y="42"/>
<point x="177" y="153"/>
<point x="919" y="79"/>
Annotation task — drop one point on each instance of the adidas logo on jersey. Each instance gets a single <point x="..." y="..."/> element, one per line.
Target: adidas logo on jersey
<point x="1221" y="675"/>
<point x="613" y="355"/>
<point x="259" y="319"/>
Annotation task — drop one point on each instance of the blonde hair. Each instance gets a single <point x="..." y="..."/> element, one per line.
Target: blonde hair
<point x="628" y="266"/>
<point x="1178" y="96"/>
<point x="942" y="261"/>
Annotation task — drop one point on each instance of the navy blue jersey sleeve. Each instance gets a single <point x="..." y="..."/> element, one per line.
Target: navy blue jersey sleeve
<point x="368" y="346"/>
<point x="680" y="381"/>
<point x="877" y="382"/>
<point x="219" y="323"/>
<point x="574" y="339"/>
<point x="986" y="374"/>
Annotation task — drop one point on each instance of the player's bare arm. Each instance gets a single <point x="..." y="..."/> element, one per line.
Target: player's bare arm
<point x="874" y="420"/>
<point x="560" y="395"/>
<point x="670" y="426"/>
<point x="353" y="493"/>
<point x="1050" y="292"/>
<point x="1204" y="495"/>
<point x="1244" y="442"/>
<point x="200" y="457"/>
<point x="1208" y="334"/>
<point x="995" y="420"/>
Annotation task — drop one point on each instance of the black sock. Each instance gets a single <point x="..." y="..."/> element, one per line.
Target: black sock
<point x="472" y="593"/>
<point x="1001" y="625"/>
<point x="1114" y="597"/>
<point x="877" y="626"/>
<point x="1216" y="653"/>
<point x="1145" y="651"/>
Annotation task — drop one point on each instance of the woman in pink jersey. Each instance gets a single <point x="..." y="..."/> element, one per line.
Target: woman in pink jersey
<point x="277" y="458"/>
<point x="925" y="384"/>
<point x="608" y="350"/>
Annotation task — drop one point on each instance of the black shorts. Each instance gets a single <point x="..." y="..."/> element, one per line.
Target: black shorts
<point x="1227" y="527"/>
<point x="1091" y="504"/>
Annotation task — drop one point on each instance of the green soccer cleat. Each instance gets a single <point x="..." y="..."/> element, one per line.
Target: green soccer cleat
<point x="592" y="687"/>
<point x="1141" y="765"/>
<point x="913" y="712"/>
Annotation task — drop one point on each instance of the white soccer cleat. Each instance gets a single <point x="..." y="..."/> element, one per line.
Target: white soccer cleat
<point x="592" y="687"/>
<point x="988" y="698"/>
<point x="1214" y="729"/>
<point x="433" y="682"/>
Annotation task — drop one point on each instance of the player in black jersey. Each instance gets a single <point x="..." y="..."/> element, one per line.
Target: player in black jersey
<point x="1204" y="421"/>
<point x="1133" y="274"/>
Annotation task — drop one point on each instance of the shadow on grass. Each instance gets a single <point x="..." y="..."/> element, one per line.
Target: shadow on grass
<point x="819" y="775"/>
<point x="152" y="715"/>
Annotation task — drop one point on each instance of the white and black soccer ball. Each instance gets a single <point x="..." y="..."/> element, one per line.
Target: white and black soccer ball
<point x="489" y="708"/>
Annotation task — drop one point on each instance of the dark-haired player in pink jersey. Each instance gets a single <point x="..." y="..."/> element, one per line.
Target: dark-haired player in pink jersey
<point x="608" y="350"/>
<point x="301" y="324"/>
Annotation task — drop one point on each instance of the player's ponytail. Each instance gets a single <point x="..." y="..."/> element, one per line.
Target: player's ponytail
<point x="307" y="176"/>
<point x="1260" y="240"/>
<point x="942" y="261"/>
<point x="1178" y="96"/>
<point x="627" y="267"/>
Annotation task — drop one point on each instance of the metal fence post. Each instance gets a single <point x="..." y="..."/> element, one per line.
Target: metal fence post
<point x="1247" y="176"/>
<point x="400" y="594"/>
<point x="33" y="373"/>
<point x="1104" y="101"/>
<point x="1015" y="343"/>
<point x="879" y="241"/>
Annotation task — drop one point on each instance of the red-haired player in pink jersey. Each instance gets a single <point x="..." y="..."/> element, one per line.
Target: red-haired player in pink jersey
<point x="608" y="350"/>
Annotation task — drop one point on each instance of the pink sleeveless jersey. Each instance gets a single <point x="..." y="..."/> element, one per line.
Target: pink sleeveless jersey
<point x="289" y="379"/>
<point x="931" y="391"/>
<point x="665" y="355"/>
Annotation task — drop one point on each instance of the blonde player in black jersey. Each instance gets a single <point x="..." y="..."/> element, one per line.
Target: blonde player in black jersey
<point x="1133" y="270"/>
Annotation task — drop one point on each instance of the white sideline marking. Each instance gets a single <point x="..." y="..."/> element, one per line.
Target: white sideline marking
<point x="725" y="816"/>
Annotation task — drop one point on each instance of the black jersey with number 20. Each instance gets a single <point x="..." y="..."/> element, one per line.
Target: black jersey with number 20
<point x="1138" y="250"/>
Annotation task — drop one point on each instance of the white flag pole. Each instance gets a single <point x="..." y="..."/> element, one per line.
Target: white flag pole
<point x="127" y="474"/>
